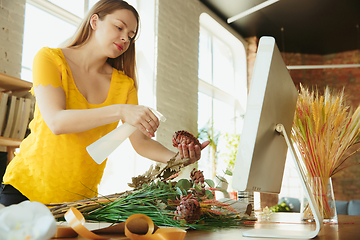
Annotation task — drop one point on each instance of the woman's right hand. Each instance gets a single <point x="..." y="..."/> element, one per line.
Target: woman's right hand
<point x="140" y="117"/>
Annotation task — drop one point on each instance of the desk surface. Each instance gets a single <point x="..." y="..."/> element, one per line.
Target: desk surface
<point x="348" y="228"/>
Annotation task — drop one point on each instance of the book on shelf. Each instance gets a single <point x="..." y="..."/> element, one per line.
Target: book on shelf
<point x="25" y="118"/>
<point x="3" y="107"/>
<point x="10" y="115"/>
<point x="17" y="118"/>
<point x="15" y="114"/>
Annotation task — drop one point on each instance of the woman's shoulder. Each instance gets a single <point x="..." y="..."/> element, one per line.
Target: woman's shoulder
<point x="54" y="54"/>
<point x="49" y="51"/>
<point x="121" y="76"/>
<point x="47" y="65"/>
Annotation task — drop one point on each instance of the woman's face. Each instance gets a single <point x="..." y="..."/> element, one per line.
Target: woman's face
<point x="114" y="32"/>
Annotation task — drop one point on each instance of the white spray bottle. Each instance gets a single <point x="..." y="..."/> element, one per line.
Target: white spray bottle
<point x="103" y="147"/>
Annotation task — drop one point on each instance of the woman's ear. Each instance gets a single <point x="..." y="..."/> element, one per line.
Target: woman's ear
<point x="93" y="21"/>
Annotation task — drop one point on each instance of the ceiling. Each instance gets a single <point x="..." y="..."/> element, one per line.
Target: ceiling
<point x="299" y="26"/>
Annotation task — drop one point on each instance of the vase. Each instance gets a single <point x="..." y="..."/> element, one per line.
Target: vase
<point x="222" y="184"/>
<point x="322" y="191"/>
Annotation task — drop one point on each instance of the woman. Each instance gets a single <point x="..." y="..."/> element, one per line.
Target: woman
<point x="82" y="91"/>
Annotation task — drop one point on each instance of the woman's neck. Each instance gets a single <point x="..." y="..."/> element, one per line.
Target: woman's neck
<point x="88" y="60"/>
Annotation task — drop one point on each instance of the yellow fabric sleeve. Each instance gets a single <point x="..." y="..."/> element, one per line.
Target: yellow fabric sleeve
<point x="132" y="95"/>
<point x="47" y="69"/>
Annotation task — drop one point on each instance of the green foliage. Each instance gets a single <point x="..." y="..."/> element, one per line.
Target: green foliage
<point x="150" y="200"/>
<point x="221" y="179"/>
<point x="198" y="188"/>
<point x="210" y="183"/>
<point x="180" y="192"/>
<point x="228" y="172"/>
<point x="209" y="133"/>
<point x="183" y="184"/>
<point x="281" y="207"/>
<point x="209" y="194"/>
<point x="158" y="200"/>
<point x="232" y="142"/>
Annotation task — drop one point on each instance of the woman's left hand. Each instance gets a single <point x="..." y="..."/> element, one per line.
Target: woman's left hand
<point x="190" y="151"/>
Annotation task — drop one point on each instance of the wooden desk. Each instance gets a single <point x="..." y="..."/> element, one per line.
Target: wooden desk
<point x="347" y="229"/>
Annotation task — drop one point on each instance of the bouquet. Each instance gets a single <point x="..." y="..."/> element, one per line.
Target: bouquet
<point x="324" y="128"/>
<point x="187" y="203"/>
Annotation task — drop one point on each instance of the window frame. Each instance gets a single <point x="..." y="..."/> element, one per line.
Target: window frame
<point x="237" y="44"/>
<point x="57" y="11"/>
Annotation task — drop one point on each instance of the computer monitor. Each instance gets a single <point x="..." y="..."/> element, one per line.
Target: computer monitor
<point x="262" y="150"/>
<point x="272" y="100"/>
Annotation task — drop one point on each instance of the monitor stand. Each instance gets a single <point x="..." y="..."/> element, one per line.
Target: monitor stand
<point x="276" y="233"/>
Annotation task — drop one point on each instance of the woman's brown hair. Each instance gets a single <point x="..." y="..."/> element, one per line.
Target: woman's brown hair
<point x="126" y="62"/>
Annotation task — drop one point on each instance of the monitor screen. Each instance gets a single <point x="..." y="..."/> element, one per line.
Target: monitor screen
<point x="261" y="154"/>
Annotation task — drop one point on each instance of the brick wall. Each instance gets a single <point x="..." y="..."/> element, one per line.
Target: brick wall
<point x="177" y="66"/>
<point x="12" y="14"/>
<point x="347" y="182"/>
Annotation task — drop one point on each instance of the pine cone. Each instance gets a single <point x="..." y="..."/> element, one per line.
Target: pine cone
<point x="184" y="137"/>
<point x="197" y="177"/>
<point x="188" y="209"/>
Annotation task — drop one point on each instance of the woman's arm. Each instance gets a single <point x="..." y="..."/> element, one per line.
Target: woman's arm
<point x="52" y="106"/>
<point x="51" y="103"/>
<point x="50" y="98"/>
<point x="153" y="150"/>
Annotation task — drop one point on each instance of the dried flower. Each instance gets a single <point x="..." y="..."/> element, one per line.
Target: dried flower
<point x="149" y="176"/>
<point x="188" y="209"/>
<point x="184" y="137"/>
<point x="197" y="177"/>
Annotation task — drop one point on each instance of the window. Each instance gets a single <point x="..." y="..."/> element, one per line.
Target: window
<point x="222" y="91"/>
<point x="49" y="24"/>
<point x="75" y="7"/>
<point x="40" y="31"/>
<point x="291" y="184"/>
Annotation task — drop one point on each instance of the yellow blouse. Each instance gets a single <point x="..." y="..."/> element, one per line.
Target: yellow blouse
<point x="57" y="168"/>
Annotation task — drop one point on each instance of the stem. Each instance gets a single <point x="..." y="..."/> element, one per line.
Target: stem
<point x="320" y="190"/>
<point x="351" y="154"/>
<point x="167" y="166"/>
<point x="334" y="172"/>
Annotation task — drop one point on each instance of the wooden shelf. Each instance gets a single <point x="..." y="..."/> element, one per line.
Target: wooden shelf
<point x="10" y="142"/>
<point x="12" y="84"/>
